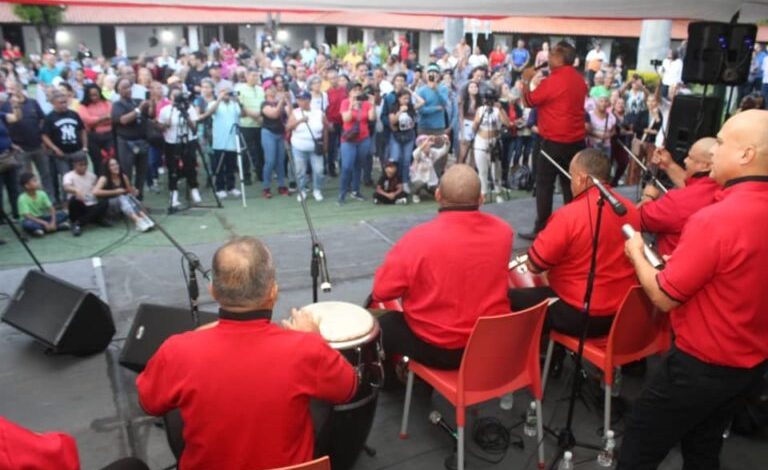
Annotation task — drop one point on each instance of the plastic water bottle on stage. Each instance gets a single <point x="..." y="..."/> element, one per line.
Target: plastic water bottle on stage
<point x="529" y="428"/>
<point x="605" y="457"/>
<point x="507" y="401"/>
<point x="567" y="462"/>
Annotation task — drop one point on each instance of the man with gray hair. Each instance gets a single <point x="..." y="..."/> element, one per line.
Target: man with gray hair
<point x="65" y="136"/>
<point x="243" y="385"/>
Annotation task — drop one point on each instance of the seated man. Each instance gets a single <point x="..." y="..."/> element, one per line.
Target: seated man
<point x="84" y="207"/>
<point x="448" y="272"/>
<point x="666" y="216"/>
<point x="564" y="250"/>
<point x="243" y="386"/>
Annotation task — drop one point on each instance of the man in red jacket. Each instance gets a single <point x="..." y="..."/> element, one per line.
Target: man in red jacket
<point x="448" y="272"/>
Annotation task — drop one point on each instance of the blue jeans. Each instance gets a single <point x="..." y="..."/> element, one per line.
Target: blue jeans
<point x="402" y="153"/>
<point x="224" y="170"/>
<point x="155" y="161"/>
<point x="274" y="158"/>
<point x="30" y="225"/>
<point x="352" y="156"/>
<point x="300" y="160"/>
<point x="522" y="149"/>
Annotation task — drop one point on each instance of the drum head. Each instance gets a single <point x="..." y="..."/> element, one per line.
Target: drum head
<point x="342" y="324"/>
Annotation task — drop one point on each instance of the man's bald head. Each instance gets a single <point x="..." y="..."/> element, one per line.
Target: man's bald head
<point x="459" y="186"/>
<point x="742" y="147"/>
<point x="243" y="274"/>
<point x="699" y="158"/>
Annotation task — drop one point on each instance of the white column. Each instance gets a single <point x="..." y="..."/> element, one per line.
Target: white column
<point x="120" y="41"/>
<point x="367" y="36"/>
<point x="654" y="42"/>
<point x="194" y="38"/>
<point x="319" y="36"/>
<point x="434" y="41"/>
<point x="453" y="31"/>
<point x="424" y="47"/>
<point x="341" y="35"/>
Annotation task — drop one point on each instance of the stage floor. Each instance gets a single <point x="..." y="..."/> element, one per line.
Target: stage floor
<point x="94" y="399"/>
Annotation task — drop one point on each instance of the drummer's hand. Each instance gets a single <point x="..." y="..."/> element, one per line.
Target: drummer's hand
<point x="301" y="320"/>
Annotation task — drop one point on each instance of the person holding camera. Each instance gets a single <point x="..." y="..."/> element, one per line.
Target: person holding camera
<point x="356" y="112"/>
<point x="432" y="116"/>
<point x="275" y="109"/>
<point x="402" y="121"/>
<point x="487" y="126"/>
<point x="225" y="113"/>
<point x="179" y="123"/>
<point x="129" y="119"/>
<point x="306" y="126"/>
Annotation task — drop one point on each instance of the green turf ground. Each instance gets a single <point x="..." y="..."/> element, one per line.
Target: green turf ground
<point x="203" y="225"/>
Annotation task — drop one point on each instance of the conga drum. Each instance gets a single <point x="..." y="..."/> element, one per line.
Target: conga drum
<point x="342" y="430"/>
<point x="520" y="276"/>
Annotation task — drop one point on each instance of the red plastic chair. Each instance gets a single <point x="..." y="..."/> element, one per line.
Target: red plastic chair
<point x="502" y="356"/>
<point x="323" y="463"/>
<point x="638" y="331"/>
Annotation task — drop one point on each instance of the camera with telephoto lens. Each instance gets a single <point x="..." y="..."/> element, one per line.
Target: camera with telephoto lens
<point x="181" y="100"/>
<point x="656" y="62"/>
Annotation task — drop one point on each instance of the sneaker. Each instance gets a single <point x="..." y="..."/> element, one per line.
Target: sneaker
<point x="161" y="170"/>
<point x="77" y="230"/>
<point x="195" y="193"/>
<point x="235" y="192"/>
<point x="267" y="194"/>
<point x="301" y="195"/>
<point x="148" y="222"/>
<point x="64" y="226"/>
<point x="155" y="188"/>
<point x="317" y="195"/>
<point x="141" y="225"/>
<point x="358" y="197"/>
<point x="38" y="233"/>
<point x="283" y="191"/>
<point x="401" y="201"/>
<point x="375" y="201"/>
<point x="221" y="194"/>
<point x="407" y="188"/>
<point x="416" y="199"/>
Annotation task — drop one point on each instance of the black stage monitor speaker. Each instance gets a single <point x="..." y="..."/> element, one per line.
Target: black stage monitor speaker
<point x="718" y="53"/>
<point x="153" y="325"/>
<point x="60" y="315"/>
<point x="691" y="118"/>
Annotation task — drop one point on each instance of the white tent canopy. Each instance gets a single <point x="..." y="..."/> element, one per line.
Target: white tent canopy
<point x="715" y="10"/>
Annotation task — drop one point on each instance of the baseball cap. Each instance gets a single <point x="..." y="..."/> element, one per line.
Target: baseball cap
<point x="304" y="95"/>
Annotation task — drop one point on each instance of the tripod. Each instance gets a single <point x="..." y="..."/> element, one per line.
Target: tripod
<point x="234" y="132"/>
<point x="21" y="238"/>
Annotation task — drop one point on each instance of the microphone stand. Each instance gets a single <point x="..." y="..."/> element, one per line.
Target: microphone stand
<point x="644" y="168"/>
<point x="22" y="239"/>
<point x="193" y="265"/>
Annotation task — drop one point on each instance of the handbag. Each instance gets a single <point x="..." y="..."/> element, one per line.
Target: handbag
<point x="319" y="147"/>
<point x="354" y="132"/>
<point x="9" y="160"/>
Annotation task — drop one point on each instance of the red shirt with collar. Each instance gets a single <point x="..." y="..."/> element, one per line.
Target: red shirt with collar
<point x="667" y="216"/>
<point x="335" y="97"/>
<point x="448" y="272"/>
<point x="21" y="448"/>
<point x="718" y="273"/>
<point x="243" y="388"/>
<point x="559" y="102"/>
<point x="564" y="249"/>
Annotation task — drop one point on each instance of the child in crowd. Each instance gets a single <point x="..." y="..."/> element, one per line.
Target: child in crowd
<point x="38" y="215"/>
<point x="389" y="189"/>
<point x="428" y="152"/>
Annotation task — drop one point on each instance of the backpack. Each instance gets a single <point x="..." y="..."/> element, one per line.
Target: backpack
<point x="521" y="178"/>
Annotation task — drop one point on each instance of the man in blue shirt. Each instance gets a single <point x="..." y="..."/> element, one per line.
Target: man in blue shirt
<point x="226" y="112"/>
<point x="518" y="59"/>
<point x="432" y="116"/>
<point x="49" y="71"/>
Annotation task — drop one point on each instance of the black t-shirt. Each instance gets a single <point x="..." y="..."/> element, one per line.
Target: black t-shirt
<point x="277" y="126"/>
<point x="65" y="130"/>
<point x="26" y="133"/>
<point x="194" y="77"/>
<point x="134" y="131"/>
<point x="388" y="184"/>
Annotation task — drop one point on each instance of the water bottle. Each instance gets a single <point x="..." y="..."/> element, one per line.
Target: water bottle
<point x="567" y="462"/>
<point x="507" y="401"/>
<point x="605" y="457"/>
<point x="529" y="428"/>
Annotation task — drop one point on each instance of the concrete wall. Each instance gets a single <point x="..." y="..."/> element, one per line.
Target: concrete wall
<point x="137" y="39"/>
<point x="68" y="37"/>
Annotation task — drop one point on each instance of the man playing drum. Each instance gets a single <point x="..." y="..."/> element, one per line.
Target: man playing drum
<point x="448" y="272"/>
<point x="243" y="386"/>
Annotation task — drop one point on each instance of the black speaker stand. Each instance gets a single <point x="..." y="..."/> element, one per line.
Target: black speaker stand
<point x="22" y="239"/>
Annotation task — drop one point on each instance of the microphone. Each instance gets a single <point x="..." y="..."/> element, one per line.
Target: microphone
<point x="325" y="279"/>
<point x="617" y="206"/>
<point x="652" y="257"/>
<point x="542" y="65"/>
<point x="437" y="419"/>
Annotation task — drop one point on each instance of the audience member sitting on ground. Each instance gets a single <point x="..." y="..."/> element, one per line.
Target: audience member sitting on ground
<point x="389" y="189"/>
<point x="38" y="215"/>
<point x="429" y="151"/>
<point x="84" y="207"/>
<point x="114" y="186"/>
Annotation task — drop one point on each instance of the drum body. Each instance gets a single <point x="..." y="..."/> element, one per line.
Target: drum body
<point x="520" y="276"/>
<point x="342" y="430"/>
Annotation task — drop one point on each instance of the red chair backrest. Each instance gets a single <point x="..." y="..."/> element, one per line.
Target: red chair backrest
<point x="503" y="351"/>
<point x="639" y="330"/>
<point x="323" y="463"/>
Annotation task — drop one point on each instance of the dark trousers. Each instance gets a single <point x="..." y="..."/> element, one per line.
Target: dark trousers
<point x="252" y="137"/>
<point x="9" y="183"/>
<point x="560" y="317"/>
<point x="687" y="401"/>
<point x="382" y="199"/>
<point x="100" y="147"/>
<point x="334" y="142"/>
<point x="181" y="159"/>
<point x="399" y="339"/>
<point x="134" y="154"/>
<point x="81" y="214"/>
<point x="224" y="164"/>
<point x="128" y="463"/>
<point x="618" y="155"/>
<point x="546" y="173"/>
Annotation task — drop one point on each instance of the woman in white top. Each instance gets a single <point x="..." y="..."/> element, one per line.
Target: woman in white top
<point x="671" y="73"/>
<point x="489" y="120"/>
<point x="319" y="98"/>
<point x="180" y="135"/>
<point x="306" y="126"/>
<point x="477" y="59"/>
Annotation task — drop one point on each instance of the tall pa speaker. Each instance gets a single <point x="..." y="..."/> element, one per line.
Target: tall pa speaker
<point x="718" y="53"/>
<point x="152" y="325"/>
<point x="690" y="119"/>
<point x="62" y="316"/>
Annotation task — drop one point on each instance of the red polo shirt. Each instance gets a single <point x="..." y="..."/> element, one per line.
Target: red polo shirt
<point x="667" y="216"/>
<point x="559" y="102"/>
<point x="21" y="448"/>
<point x="448" y="272"/>
<point x="718" y="273"/>
<point x="335" y="97"/>
<point x="243" y="388"/>
<point x="359" y="117"/>
<point x="564" y="249"/>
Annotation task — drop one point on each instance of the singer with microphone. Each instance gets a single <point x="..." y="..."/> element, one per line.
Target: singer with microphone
<point x="564" y="247"/>
<point x="243" y="384"/>
<point x="559" y="102"/>
<point x="448" y="272"/>
<point x="713" y="285"/>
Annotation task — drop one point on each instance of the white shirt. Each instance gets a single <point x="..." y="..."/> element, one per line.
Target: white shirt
<point x="170" y="116"/>
<point x="476" y="60"/>
<point x="596" y="55"/>
<point x="672" y="72"/>
<point x="83" y="183"/>
<point x="301" y="137"/>
<point x="763" y="67"/>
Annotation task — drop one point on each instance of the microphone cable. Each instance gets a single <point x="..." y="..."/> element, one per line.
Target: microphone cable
<point x="494" y="438"/>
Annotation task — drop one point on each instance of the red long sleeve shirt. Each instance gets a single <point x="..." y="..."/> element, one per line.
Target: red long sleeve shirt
<point x="448" y="272"/>
<point x="667" y="216"/>
<point x="21" y="448"/>
<point x="559" y="102"/>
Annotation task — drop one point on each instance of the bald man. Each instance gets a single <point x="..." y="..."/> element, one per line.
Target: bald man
<point x="447" y="272"/>
<point x="666" y="216"/>
<point x="243" y="386"/>
<point x="713" y="285"/>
